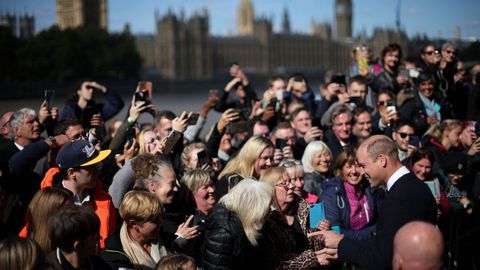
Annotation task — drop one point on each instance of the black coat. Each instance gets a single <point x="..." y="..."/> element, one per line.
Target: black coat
<point x="226" y="245"/>
<point x="407" y="200"/>
<point x="114" y="254"/>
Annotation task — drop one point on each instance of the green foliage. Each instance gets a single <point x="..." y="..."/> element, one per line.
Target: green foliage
<point x="56" y="54"/>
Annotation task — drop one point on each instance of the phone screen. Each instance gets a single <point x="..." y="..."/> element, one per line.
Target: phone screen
<point x="391" y="106"/>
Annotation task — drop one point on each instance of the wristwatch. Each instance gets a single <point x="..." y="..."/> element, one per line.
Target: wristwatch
<point x="53" y="141"/>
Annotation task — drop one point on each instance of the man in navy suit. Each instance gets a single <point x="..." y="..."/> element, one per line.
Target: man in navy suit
<point x="407" y="199"/>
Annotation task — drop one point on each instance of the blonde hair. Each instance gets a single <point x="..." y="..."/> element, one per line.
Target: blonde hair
<point x="271" y="176"/>
<point x="187" y="151"/>
<point x="141" y="141"/>
<point x="140" y="206"/>
<point x="251" y="201"/>
<point x="244" y="163"/>
<point x="311" y="150"/>
<point x="44" y="204"/>
<point x="20" y="254"/>
<point x="196" y="179"/>
<point x="437" y="130"/>
<point x="174" y="262"/>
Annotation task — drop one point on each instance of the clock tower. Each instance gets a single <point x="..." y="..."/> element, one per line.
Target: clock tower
<point x="343" y="18"/>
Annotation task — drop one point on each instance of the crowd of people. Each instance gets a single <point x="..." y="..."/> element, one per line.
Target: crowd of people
<point x="379" y="169"/>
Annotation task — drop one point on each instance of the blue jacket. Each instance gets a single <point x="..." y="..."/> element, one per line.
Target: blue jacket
<point x="337" y="209"/>
<point x="113" y="104"/>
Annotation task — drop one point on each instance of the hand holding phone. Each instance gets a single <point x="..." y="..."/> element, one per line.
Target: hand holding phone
<point x="193" y="119"/>
<point x="49" y="97"/>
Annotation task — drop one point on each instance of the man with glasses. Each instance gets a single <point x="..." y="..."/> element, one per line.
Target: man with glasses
<point x="404" y="136"/>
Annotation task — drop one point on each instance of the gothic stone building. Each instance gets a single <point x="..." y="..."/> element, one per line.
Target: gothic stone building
<point x="182" y="48"/>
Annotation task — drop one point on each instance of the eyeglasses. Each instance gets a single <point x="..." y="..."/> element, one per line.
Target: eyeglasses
<point x="285" y="185"/>
<point x="404" y="135"/>
<point x="450" y="52"/>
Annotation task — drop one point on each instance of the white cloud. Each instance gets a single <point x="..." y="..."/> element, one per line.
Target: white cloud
<point x="414" y="12"/>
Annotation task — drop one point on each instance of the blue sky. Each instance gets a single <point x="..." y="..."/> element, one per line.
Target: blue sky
<point x="436" y="18"/>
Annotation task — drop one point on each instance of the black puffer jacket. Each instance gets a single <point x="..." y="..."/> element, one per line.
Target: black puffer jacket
<point x="226" y="246"/>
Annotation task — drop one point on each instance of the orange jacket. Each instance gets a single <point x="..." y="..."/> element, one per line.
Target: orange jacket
<point x="102" y="203"/>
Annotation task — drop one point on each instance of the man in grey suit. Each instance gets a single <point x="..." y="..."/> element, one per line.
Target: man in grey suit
<point x="407" y="199"/>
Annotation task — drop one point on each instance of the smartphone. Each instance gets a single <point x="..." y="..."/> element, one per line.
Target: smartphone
<point x="414" y="140"/>
<point x="271" y="103"/>
<point x="146" y="88"/>
<point x="238" y="127"/>
<point x="363" y="63"/>
<point x="391" y="106"/>
<point x="202" y="159"/>
<point x="88" y="113"/>
<point x="340" y="79"/>
<point x="130" y="136"/>
<point x="280" y="143"/>
<point x="193" y="119"/>
<point x="355" y="100"/>
<point x="317" y="214"/>
<point x="49" y="96"/>
<point x="213" y="93"/>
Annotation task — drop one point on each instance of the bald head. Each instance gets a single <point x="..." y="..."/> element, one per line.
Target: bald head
<point x="4" y="127"/>
<point x="418" y="245"/>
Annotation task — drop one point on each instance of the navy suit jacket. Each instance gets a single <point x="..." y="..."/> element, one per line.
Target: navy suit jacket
<point x="407" y="200"/>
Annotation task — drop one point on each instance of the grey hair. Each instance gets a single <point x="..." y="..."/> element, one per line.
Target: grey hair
<point x="16" y="121"/>
<point x="312" y="149"/>
<point x="251" y="201"/>
<point x="337" y="110"/>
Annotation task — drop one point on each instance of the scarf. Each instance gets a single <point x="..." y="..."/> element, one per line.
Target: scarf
<point x="140" y="258"/>
<point x="431" y="107"/>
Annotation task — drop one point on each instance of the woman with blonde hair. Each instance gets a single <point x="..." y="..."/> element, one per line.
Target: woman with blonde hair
<point x="190" y="155"/>
<point x="44" y="204"/>
<point x="255" y="157"/>
<point x="233" y="227"/>
<point x="137" y="244"/>
<point x="316" y="162"/>
<point x="440" y="139"/>
<point x="285" y="231"/>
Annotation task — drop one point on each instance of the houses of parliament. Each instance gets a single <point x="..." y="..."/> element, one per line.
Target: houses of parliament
<point x="183" y="48"/>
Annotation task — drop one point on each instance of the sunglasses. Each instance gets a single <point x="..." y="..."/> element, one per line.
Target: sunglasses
<point x="450" y="52"/>
<point x="383" y="103"/>
<point x="431" y="52"/>
<point x="404" y="135"/>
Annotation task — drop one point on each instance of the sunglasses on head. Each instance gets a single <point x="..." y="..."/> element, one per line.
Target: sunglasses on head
<point x="404" y="135"/>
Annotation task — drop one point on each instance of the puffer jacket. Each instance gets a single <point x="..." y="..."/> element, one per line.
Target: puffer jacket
<point x="226" y="246"/>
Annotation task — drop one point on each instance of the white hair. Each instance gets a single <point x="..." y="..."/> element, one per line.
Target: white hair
<point x="312" y="149"/>
<point x="251" y="201"/>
